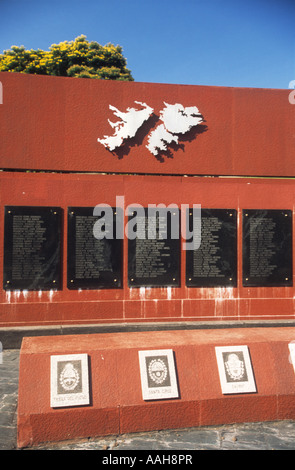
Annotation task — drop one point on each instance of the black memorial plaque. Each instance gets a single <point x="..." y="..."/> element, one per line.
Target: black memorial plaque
<point x="32" y="248"/>
<point x="94" y="263"/>
<point x="267" y="248"/>
<point x="154" y="254"/>
<point x="214" y="262"/>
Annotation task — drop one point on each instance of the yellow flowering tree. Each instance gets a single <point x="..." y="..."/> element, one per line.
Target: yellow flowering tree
<point x="78" y="58"/>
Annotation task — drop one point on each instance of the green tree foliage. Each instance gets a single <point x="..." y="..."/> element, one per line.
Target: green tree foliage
<point x="78" y="58"/>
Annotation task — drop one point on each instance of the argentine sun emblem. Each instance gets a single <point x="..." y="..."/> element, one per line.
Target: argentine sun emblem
<point x="69" y="377"/>
<point x="157" y="371"/>
<point x="234" y="367"/>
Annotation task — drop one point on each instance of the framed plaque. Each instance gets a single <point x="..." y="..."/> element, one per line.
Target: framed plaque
<point x="214" y="262"/>
<point x="94" y="263"/>
<point x="158" y="374"/>
<point x="32" y="248"/>
<point x="154" y="248"/>
<point x="267" y="248"/>
<point x="235" y="369"/>
<point x="292" y="353"/>
<point x="69" y="381"/>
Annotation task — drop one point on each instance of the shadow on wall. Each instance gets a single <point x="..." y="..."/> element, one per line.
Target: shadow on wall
<point x="188" y="137"/>
<point x="136" y="141"/>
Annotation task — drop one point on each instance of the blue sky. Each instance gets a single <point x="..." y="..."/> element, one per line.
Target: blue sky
<point x="248" y="43"/>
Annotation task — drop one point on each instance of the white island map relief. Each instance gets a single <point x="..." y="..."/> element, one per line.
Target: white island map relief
<point x="176" y="120"/>
<point x="130" y="122"/>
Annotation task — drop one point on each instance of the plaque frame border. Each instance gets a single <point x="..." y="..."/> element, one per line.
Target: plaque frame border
<point x="158" y="393"/>
<point x="291" y="347"/>
<point x="58" y="400"/>
<point x="246" y="386"/>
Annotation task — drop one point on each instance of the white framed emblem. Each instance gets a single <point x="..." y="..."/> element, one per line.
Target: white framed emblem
<point x="158" y="374"/>
<point x="292" y="354"/>
<point x="235" y="369"/>
<point x="69" y="381"/>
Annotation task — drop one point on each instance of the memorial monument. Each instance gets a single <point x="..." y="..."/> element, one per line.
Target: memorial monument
<point x="165" y="219"/>
<point x="181" y="149"/>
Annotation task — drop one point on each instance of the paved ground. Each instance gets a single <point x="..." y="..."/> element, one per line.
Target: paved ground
<point x="258" y="436"/>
